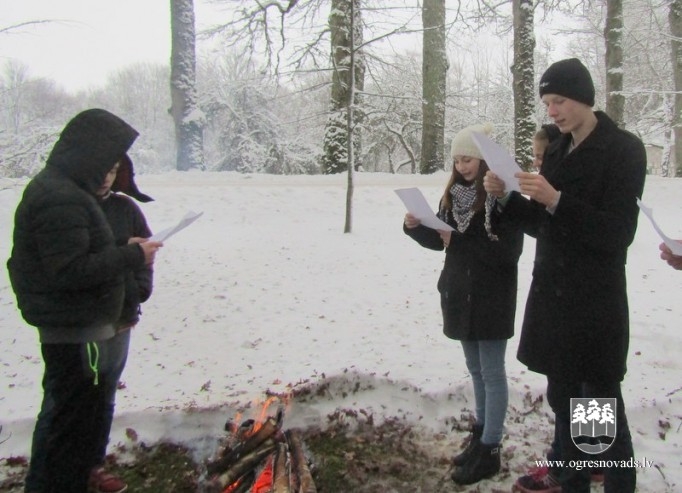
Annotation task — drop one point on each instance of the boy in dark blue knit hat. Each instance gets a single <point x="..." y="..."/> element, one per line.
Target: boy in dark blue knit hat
<point x="582" y="210"/>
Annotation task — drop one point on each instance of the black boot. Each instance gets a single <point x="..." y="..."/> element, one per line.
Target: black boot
<point x="474" y="439"/>
<point x="483" y="463"/>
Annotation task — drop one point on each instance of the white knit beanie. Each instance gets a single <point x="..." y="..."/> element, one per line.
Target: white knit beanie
<point x="463" y="144"/>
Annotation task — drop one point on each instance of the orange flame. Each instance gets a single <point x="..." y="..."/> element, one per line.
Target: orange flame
<point x="262" y="412"/>
<point x="233" y="487"/>
<point x="263" y="483"/>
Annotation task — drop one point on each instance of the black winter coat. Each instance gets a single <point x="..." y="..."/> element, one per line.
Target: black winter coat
<point x="126" y="221"/>
<point x="64" y="268"/>
<point x="478" y="283"/>
<point x="576" y="323"/>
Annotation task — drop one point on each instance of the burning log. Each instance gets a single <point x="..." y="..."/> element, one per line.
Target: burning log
<point x="242" y="485"/>
<point x="260" y="458"/>
<point x="300" y="465"/>
<point x="266" y="431"/>
<point x="245" y="464"/>
<point x="280" y="483"/>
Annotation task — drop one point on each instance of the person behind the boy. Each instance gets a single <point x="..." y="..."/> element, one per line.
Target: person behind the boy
<point x="478" y="287"/>
<point x="541" y="140"/>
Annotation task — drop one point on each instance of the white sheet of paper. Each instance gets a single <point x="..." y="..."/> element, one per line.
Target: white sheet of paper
<point x="188" y="219"/>
<point x="674" y="246"/>
<point x="499" y="161"/>
<point x="416" y="204"/>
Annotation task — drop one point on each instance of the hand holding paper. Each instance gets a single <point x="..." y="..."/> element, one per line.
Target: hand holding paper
<point x="675" y="247"/>
<point x="417" y="206"/>
<point x="499" y="161"/>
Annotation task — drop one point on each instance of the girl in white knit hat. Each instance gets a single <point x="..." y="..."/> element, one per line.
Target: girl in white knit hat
<point x="477" y="289"/>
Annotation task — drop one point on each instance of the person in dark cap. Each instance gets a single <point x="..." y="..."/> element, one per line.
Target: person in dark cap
<point x="69" y="276"/>
<point x="582" y="210"/>
<point x="541" y="139"/>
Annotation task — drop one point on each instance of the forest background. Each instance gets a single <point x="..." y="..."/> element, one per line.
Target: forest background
<point x="266" y="88"/>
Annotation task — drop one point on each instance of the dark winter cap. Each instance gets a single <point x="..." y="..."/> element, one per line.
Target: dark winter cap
<point x="551" y="130"/>
<point x="125" y="183"/>
<point x="568" y="78"/>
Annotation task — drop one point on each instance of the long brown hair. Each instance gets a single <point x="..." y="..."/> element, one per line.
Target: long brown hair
<point x="456" y="177"/>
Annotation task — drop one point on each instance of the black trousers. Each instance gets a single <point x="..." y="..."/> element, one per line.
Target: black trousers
<point x="71" y="376"/>
<point x="616" y="479"/>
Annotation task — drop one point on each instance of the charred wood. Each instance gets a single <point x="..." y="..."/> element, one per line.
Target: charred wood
<point x="266" y="431"/>
<point x="300" y="463"/>
<point x="281" y="470"/>
<point x="244" y="464"/>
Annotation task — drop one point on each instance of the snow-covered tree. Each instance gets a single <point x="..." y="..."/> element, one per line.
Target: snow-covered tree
<point x="255" y="125"/>
<point x="524" y="82"/>
<point x="393" y="108"/>
<point x="675" y="20"/>
<point x="613" y="36"/>
<point x="32" y="112"/>
<point x="335" y="154"/>
<point x="139" y="93"/>
<point x="434" y="74"/>
<point x="189" y="120"/>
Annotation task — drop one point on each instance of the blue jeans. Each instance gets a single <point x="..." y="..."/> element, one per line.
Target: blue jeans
<point x="113" y="354"/>
<point x="616" y="479"/>
<point x="485" y="362"/>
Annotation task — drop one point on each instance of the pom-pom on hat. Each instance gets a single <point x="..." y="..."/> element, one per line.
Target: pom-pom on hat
<point x="463" y="143"/>
<point x="568" y="78"/>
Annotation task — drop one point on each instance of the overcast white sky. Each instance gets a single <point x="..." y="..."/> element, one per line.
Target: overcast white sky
<point x="87" y="38"/>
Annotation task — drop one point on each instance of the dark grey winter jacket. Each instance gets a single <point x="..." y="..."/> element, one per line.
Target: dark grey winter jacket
<point x="65" y="269"/>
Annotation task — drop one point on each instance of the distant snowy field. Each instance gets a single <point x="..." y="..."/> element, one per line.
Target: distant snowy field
<point x="266" y="292"/>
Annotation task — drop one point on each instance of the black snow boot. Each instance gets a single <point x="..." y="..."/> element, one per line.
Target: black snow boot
<point x="483" y="464"/>
<point x="474" y="439"/>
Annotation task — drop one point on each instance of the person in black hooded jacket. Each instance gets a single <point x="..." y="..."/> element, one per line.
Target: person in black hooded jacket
<point x="128" y="224"/>
<point x="68" y="276"/>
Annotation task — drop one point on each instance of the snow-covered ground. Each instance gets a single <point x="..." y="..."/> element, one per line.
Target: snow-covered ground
<point x="266" y="293"/>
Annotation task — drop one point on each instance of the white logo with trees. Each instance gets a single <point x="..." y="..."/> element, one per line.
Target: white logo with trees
<point x="593" y="424"/>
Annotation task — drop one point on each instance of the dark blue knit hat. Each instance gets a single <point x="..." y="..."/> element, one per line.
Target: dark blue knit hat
<point x="568" y="78"/>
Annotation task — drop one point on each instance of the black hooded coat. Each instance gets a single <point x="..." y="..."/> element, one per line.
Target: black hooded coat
<point x="65" y="269"/>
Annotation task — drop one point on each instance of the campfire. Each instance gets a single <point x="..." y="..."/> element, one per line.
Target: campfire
<point x="260" y="457"/>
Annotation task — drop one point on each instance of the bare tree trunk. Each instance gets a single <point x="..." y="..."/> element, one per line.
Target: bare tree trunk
<point x="349" y="122"/>
<point x="434" y="73"/>
<point x="335" y="158"/>
<point x="187" y="117"/>
<point x="524" y="82"/>
<point x="675" y="20"/>
<point x="613" y="35"/>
